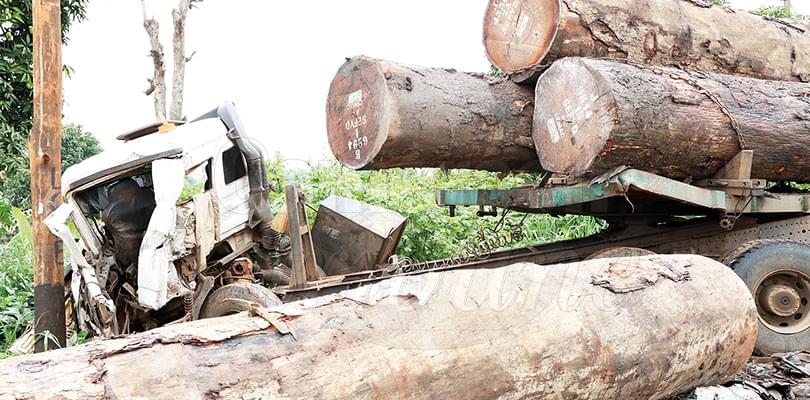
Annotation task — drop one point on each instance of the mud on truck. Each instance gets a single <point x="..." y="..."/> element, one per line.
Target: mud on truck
<point x="173" y="225"/>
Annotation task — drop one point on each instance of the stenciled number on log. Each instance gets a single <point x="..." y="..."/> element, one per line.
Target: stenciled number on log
<point x="505" y="13"/>
<point x="576" y="111"/>
<point x="355" y="101"/>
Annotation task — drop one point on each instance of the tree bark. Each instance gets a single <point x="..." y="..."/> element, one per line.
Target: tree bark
<point x="524" y="37"/>
<point x="157" y="85"/>
<point x="45" y="155"/>
<point x="179" y="14"/>
<point x="385" y="115"/>
<point x="667" y="121"/>
<point x="629" y="328"/>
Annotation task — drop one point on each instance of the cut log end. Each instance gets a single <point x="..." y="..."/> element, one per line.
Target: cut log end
<point x="382" y="114"/>
<point x="573" y="117"/>
<point x="519" y="33"/>
<point x="357" y="112"/>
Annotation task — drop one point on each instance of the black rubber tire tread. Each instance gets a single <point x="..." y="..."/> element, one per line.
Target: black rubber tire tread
<point x="615" y="252"/>
<point x="754" y="261"/>
<point x="733" y="255"/>
<point x="235" y="298"/>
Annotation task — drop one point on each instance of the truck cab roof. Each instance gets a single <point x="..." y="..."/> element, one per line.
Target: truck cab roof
<point x="196" y="139"/>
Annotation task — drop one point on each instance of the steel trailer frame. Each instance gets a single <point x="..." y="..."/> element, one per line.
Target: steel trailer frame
<point x="711" y="217"/>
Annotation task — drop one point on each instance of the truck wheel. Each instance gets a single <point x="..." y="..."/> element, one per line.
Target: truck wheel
<point x="778" y="274"/>
<point x="235" y="298"/>
<point x="615" y="252"/>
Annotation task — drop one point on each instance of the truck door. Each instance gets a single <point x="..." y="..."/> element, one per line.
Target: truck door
<point x="232" y="190"/>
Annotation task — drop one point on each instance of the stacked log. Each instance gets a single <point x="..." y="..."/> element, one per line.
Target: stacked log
<point x="385" y="115"/>
<point x="630" y="328"/>
<point x="524" y="37"/>
<point x="677" y="123"/>
<point x="666" y="121"/>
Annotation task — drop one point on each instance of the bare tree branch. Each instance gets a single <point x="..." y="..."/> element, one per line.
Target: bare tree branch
<point x="157" y="85"/>
<point x="179" y="71"/>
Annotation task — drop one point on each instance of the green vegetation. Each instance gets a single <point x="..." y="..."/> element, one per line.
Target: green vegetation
<point x="431" y="233"/>
<point x="16" y="88"/>
<point x="780" y="12"/>
<point x="16" y="280"/>
<point x="774" y="12"/>
<point x="15" y="183"/>
<point x="496" y="72"/>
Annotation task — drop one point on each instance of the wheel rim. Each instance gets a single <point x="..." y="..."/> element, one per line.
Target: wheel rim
<point x="782" y="301"/>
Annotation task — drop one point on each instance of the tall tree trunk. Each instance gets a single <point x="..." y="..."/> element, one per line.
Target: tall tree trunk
<point x="630" y="328"/>
<point x="523" y="37"/>
<point x="157" y="85"/>
<point x="179" y="14"/>
<point x="667" y="121"/>
<point x="385" y="115"/>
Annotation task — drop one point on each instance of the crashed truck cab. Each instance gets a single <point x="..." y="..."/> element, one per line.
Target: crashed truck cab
<point x="164" y="219"/>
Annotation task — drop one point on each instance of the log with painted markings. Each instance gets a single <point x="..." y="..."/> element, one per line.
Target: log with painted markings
<point x="524" y="37"/>
<point x="668" y="121"/>
<point x="386" y="115"/>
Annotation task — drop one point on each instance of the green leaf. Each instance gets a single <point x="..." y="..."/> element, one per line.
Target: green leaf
<point x="23" y="225"/>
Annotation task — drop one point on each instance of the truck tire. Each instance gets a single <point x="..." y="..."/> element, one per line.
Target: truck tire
<point x="235" y="298"/>
<point x="778" y="274"/>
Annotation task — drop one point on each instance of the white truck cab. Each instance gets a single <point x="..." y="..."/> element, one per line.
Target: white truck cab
<point x="165" y="218"/>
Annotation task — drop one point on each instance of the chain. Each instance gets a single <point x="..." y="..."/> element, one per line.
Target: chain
<point x="486" y="241"/>
<point x="686" y="77"/>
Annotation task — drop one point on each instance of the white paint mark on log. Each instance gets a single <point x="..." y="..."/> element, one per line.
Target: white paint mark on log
<point x="355" y="100"/>
<point x="522" y="24"/>
<point x="553" y="130"/>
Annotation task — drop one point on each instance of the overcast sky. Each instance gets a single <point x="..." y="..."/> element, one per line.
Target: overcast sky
<point x="274" y="59"/>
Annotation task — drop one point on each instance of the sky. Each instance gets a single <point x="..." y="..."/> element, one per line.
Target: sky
<point x="275" y="59"/>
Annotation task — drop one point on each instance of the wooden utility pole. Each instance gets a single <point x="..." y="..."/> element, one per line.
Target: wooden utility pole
<point x="44" y="150"/>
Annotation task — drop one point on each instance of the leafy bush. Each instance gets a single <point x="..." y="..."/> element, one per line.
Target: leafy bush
<point x="774" y="12"/>
<point x="431" y="233"/>
<point x="779" y="12"/>
<point x="16" y="282"/>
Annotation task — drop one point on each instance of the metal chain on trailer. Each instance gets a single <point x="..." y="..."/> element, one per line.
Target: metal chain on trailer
<point x="480" y="247"/>
<point x="686" y="76"/>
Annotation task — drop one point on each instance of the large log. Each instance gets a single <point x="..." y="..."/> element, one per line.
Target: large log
<point x="385" y="115"/>
<point x="523" y="37"/>
<point x="628" y="328"/>
<point x="667" y="121"/>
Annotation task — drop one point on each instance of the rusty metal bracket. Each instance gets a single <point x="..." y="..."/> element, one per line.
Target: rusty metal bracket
<point x="735" y="177"/>
<point x="206" y="283"/>
<point x="304" y="267"/>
